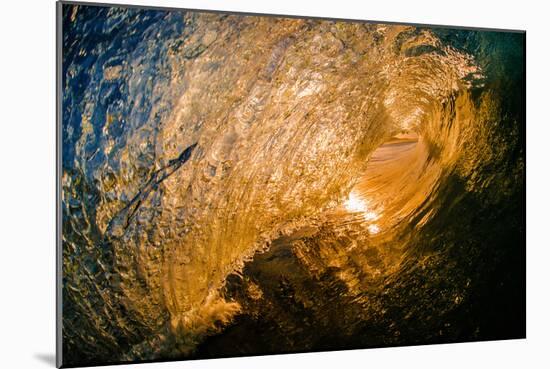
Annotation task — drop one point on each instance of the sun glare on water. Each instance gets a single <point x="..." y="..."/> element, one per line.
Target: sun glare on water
<point x="356" y="204"/>
<point x="374" y="229"/>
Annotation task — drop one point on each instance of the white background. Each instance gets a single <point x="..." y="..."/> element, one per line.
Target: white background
<point x="27" y="181"/>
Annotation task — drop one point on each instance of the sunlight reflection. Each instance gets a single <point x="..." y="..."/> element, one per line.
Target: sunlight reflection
<point x="373" y="229"/>
<point x="357" y="204"/>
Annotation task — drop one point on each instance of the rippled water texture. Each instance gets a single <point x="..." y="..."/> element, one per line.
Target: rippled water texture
<point x="239" y="185"/>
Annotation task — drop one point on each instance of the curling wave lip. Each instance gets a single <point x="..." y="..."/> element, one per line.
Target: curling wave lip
<point x="283" y="124"/>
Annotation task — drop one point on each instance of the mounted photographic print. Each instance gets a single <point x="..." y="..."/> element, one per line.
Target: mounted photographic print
<point x="236" y="184"/>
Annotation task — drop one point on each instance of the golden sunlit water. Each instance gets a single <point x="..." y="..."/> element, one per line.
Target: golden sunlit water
<point x="240" y="185"/>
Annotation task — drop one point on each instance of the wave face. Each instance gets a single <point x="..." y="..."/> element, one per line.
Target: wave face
<point x="242" y="185"/>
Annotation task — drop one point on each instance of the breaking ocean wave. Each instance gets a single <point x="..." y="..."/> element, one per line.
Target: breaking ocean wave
<point x="239" y="184"/>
